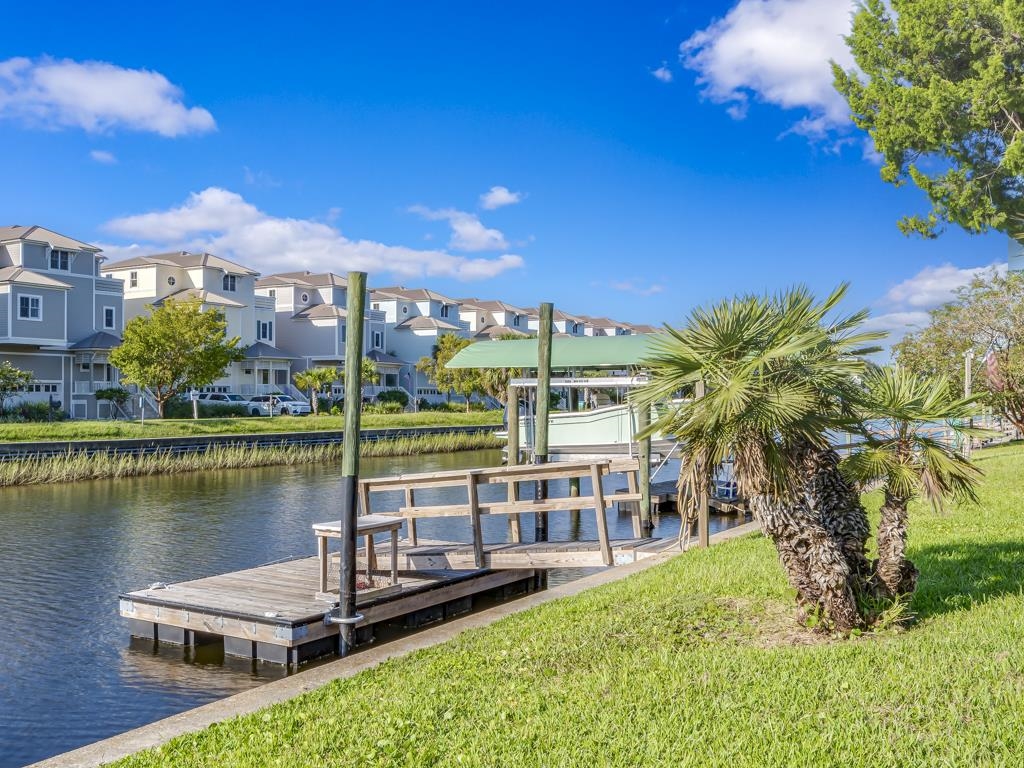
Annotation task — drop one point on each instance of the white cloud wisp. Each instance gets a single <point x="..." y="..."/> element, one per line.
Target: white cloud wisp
<point x="223" y="222"/>
<point x="498" y="197"/>
<point x="777" y="51"/>
<point x="103" y="156"/>
<point x="95" y="96"/>
<point x="468" y="232"/>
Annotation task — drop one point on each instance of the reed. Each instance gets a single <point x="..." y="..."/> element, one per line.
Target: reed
<point x="74" y="466"/>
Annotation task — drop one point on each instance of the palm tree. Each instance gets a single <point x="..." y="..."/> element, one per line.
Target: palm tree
<point x="315" y="381"/>
<point x="777" y="376"/>
<point x="902" y="450"/>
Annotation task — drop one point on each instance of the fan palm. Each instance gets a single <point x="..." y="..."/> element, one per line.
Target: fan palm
<point x="777" y="376"/>
<point x="315" y="381"/>
<point x="905" y="416"/>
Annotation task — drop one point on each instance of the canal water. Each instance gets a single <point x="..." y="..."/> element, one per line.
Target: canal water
<point x="69" y="674"/>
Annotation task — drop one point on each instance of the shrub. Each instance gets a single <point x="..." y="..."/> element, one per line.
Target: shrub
<point x="391" y="407"/>
<point x="323" y="405"/>
<point x="117" y="395"/>
<point x="394" y="396"/>
<point x="32" y="411"/>
<point x="176" y="408"/>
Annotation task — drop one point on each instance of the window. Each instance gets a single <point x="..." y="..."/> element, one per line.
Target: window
<point x="405" y="310"/>
<point x="378" y="339"/>
<point x="575" y="327"/>
<point x="343" y="333"/>
<point x="272" y="293"/>
<point x="60" y="260"/>
<point x="229" y="282"/>
<point x="85" y="367"/>
<point x="515" y="321"/>
<point x="45" y="388"/>
<point x="445" y="309"/>
<point x="264" y="330"/>
<point x="30" y="307"/>
<point x="109" y="318"/>
<point x="171" y="281"/>
<point x="133" y="280"/>
<point x="375" y="305"/>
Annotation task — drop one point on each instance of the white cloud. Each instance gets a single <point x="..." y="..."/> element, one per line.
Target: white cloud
<point x="662" y="73"/>
<point x="777" y="51"/>
<point x="103" y="156"/>
<point x="259" y="178"/>
<point x="638" y="287"/>
<point x="95" y="96"/>
<point x="468" y="232"/>
<point x="905" y="306"/>
<point x="496" y="197"/>
<point x="223" y="222"/>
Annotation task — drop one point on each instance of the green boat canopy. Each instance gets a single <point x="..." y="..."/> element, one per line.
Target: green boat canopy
<point x="572" y="352"/>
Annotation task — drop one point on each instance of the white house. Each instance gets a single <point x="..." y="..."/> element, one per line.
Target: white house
<point x="216" y="283"/>
<point x="603" y="326"/>
<point x="312" y="324"/>
<point x="59" y="318"/>
<point x="417" y="318"/>
<point x="493" y="319"/>
<point x="562" y="323"/>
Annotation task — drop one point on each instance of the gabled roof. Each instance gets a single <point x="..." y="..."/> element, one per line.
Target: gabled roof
<point x="560" y="315"/>
<point x="314" y="279"/>
<point x="495" y="331"/>
<point x="320" y="311"/>
<point x="41" y="234"/>
<point x="184" y="260"/>
<point x="427" y="323"/>
<point x="641" y="328"/>
<point x="603" y="322"/>
<point x="494" y="305"/>
<point x="22" y="276"/>
<point x="410" y="294"/>
<point x="383" y="357"/>
<point x="263" y="351"/>
<point x="99" y="340"/>
<point x="207" y="297"/>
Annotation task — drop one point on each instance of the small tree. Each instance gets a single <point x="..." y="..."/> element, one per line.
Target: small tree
<point x="986" y="321"/>
<point x="116" y="395"/>
<point x="12" y="380"/>
<point x="464" y="381"/>
<point x="315" y="381"/>
<point x="939" y="89"/>
<point x="177" y="345"/>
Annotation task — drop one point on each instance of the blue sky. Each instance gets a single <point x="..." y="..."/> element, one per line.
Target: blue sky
<point x="642" y="178"/>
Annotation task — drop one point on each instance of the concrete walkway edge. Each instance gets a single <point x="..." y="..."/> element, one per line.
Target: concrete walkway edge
<point x="162" y="731"/>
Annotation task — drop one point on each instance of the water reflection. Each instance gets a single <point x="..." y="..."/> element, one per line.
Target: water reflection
<point x="69" y="674"/>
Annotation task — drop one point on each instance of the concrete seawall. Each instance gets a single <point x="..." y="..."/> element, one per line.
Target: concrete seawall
<point x="199" y="443"/>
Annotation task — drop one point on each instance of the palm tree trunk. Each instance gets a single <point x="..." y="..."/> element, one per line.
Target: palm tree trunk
<point x="894" y="571"/>
<point x="838" y="506"/>
<point x="815" y="564"/>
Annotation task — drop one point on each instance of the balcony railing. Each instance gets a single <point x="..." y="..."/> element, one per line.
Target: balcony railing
<point x="89" y="387"/>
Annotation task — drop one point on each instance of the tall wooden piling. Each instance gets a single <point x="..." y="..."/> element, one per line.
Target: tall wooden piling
<point x="643" y="420"/>
<point x="512" y="417"/>
<point x="356" y="306"/>
<point x="703" y="523"/>
<point x="540" y="448"/>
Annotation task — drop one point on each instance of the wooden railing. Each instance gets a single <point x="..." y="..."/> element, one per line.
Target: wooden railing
<point x="512" y="504"/>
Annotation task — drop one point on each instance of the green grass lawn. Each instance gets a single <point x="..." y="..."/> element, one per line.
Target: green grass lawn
<point x="692" y="663"/>
<point x="98" y="430"/>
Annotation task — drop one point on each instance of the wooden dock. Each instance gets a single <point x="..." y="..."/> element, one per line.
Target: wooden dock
<point x="272" y="612"/>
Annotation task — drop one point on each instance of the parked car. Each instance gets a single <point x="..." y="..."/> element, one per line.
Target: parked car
<point x="289" y="406"/>
<point x="261" y="405"/>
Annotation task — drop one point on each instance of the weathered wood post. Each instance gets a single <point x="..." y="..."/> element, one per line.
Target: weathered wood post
<point x="703" y="524"/>
<point x="643" y="420"/>
<point x="356" y="305"/>
<point x="512" y="417"/>
<point x="540" y="449"/>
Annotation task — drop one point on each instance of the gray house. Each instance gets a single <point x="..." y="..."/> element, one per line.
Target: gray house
<point x="59" y="318"/>
<point x="312" y="324"/>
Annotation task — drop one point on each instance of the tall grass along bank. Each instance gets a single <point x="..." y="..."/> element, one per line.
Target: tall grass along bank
<point x="693" y="663"/>
<point x="70" y="467"/>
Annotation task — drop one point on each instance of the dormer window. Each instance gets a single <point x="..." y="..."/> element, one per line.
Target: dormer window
<point x="575" y="327"/>
<point x="304" y="298"/>
<point x="405" y="310"/>
<point x="171" y="281"/>
<point x="60" y="260"/>
<point x="444" y="310"/>
<point x="229" y="283"/>
<point x="515" y="321"/>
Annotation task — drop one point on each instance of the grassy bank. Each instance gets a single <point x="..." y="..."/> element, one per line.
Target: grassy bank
<point x="67" y="468"/>
<point x="100" y="430"/>
<point x="696" y="662"/>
